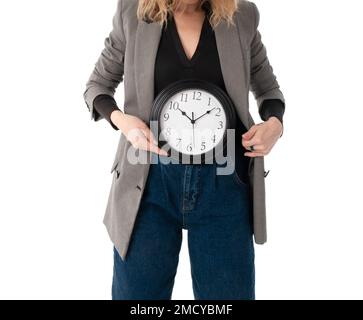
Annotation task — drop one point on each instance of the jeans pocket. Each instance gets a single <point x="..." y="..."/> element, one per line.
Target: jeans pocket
<point x="238" y="181"/>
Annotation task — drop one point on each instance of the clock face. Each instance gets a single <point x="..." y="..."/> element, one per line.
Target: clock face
<point x="193" y="121"/>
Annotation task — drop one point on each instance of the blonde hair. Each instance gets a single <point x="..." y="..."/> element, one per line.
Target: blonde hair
<point x="158" y="10"/>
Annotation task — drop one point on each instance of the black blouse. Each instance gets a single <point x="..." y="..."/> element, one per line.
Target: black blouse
<point x="172" y="64"/>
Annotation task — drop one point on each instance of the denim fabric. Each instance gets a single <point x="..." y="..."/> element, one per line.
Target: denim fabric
<point x="217" y="212"/>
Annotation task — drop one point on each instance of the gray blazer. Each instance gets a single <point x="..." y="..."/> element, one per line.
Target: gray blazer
<point x="129" y="57"/>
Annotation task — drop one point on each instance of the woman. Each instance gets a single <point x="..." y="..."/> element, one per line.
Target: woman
<point x="154" y="43"/>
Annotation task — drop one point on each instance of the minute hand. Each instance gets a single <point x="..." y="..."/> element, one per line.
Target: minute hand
<point x="208" y="112"/>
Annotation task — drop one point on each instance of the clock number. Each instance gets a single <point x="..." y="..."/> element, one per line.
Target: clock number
<point x="168" y="131"/>
<point x="184" y="97"/>
<point x="218" y="114"/>
<point x="203" y="146"/>
<point x="220" y="125"/>
<point x="179" y="141"/>
<point x="214" y="138"/>
<point x="190" y="148"/>
<point x="209" y="101"/>
<point x="197" y="95"/>
<point x="166" y="116"/>
<point x="174" y="105"/>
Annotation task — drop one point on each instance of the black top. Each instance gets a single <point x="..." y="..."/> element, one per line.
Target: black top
<point x="172" y="64"/>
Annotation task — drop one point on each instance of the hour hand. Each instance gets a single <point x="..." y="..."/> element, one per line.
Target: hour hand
<point x="185" y="114"/>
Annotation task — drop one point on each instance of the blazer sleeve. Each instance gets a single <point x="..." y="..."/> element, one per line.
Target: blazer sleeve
<point x="263" y="83"/>
<point x="109" y="68"/>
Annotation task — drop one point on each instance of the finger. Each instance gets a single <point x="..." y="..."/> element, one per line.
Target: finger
<point x="135" y="136"/>
<point x="254" y="154"/>
<point x="250" y="133"/>
<point x="149" y="135"/>
<point x="152" y="144"/>
<point x="258" y="147"/>
<point x="154" y="148"/>
<point x="255" y="141"/>
<point x="139" y="141"/>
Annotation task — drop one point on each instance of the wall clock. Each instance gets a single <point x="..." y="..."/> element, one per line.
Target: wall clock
<point x="192" y="118"/>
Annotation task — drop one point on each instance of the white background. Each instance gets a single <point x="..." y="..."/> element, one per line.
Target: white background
<point x="55" y="161"/>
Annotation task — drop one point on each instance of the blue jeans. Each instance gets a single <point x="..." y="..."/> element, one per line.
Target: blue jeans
<point x="216" y="211"/>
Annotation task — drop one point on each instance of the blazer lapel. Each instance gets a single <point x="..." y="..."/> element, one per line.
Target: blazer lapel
<point x="146" y="45"/>
<point x="232" y="60"/>
<point x="230" y="55"/>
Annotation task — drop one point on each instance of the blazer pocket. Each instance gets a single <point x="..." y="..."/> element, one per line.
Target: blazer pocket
<point x="116" y="169"/>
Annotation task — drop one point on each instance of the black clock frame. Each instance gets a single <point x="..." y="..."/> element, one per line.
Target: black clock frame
<point x="191" y="84"/>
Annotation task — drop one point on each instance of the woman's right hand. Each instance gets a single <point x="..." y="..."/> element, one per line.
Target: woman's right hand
<point x="136" y="132"/>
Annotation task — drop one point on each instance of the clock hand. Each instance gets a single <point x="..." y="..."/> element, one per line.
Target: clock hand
<point x="193" y="122"/>
<point x="185" y="114"/>
<point x="208" y="112"/>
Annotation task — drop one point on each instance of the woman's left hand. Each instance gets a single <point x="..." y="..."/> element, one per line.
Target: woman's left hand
<point x="262" y="137"/>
